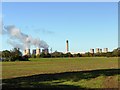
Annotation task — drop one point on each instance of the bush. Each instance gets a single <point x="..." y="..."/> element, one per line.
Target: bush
<point x="109" y="54"/>
<point x="42" y="55"/>
<point x="25" y="58"/>
<point x="33" y="56"/>
<point x="47" y="55"/>
<point x="38" y="56"/>
<point x="5" y="59"/>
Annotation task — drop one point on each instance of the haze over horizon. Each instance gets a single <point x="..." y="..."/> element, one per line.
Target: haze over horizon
<point x="85" y="25"/>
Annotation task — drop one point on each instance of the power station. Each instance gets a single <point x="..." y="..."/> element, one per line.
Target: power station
<point x="27" y="52"/>
<point x="105" y="50"/>
<point x="45" y="51"/>
<point x="36" y="51"/>
<point x="92" y="51"/>
<point x="99" y="50"/>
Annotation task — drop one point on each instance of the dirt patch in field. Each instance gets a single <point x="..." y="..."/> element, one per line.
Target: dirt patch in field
<point x="110" y="82"/>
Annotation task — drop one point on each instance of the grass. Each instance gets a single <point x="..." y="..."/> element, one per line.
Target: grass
<point x="84" y="72"/>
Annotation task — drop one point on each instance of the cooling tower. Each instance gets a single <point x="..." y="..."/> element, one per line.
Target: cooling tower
<point x="100" y="51"/>
<point x="24" y="52"/>
<point x="97" y="50"/>
<point x="67" y="46"/>
<point x="105" y="50"/>
<point x="27" y="51"/>
<point x="37" y="51"/>
<point x="45" y="51"/>
<point x="34" y="51"/>
<point x="91" y="50"/>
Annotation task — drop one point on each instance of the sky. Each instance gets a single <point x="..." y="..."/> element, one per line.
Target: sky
<point x="60" y="0"/>
<point x="84" y="24"/>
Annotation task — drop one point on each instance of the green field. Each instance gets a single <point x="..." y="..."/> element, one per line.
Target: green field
<point x="84" y="72"/>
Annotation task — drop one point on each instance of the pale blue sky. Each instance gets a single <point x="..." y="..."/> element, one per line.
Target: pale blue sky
<point x="85" y="25"/>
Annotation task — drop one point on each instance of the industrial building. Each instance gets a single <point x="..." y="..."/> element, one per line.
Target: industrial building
<point x="46" y="51"/>
<point x="36" y="51"/>
<point x="92" y="51"/>
<point x="27" y="52"/>
<point x="100" y="50"/>
<point x="97" y="50"/>
<point x="105" y="50"/>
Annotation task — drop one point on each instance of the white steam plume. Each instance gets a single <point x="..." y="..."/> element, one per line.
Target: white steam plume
<point x="21" y="40"/>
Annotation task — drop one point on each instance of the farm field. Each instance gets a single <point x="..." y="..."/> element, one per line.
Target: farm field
<point x="83" y="72"/>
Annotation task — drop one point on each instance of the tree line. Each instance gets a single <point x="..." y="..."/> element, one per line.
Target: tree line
<point x="56" y="54"/>
<point x="16" y="55"/>
<point x="13" y="55"/>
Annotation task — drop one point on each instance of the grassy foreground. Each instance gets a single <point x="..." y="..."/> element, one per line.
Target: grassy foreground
<point x="84" y="72"/>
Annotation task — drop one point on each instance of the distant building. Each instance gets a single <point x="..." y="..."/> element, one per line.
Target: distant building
<point x="97" y="50"/>
<point x="34" y="51"/>
<point x="100" y="50"/>
<point x="105" y="50"/>
<point x="91" y="50"/>
<point x="46" y="51"/>
<point x="26" y="52"/>
<point x="38" y="51"/>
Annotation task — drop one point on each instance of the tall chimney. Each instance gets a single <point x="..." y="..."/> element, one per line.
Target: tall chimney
<point x="67" y="46"/>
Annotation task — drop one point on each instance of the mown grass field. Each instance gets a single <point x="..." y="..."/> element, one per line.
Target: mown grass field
<point x="84" y="72"/>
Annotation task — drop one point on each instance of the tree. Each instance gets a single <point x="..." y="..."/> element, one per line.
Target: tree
<point x="79" y="55"/>
<point x="68" y="54"/>
<point x="38" y="56"/>
<point x="25" y="58"/>
<point x="16" y="55"/>
<point x="116" y="52"/>
<point x="61" y="55"/>
<point x="57" y="54"/>
<point x="6" y="55"/>
<point x="13" y="55"/>
<point x="103" y="54"/>
<point x="109" y="54"/>
<point x="42" y="55"/>
<point x="88" y="54"/>
<point x="33" y="56"/>
<point x="47" y="55"/>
